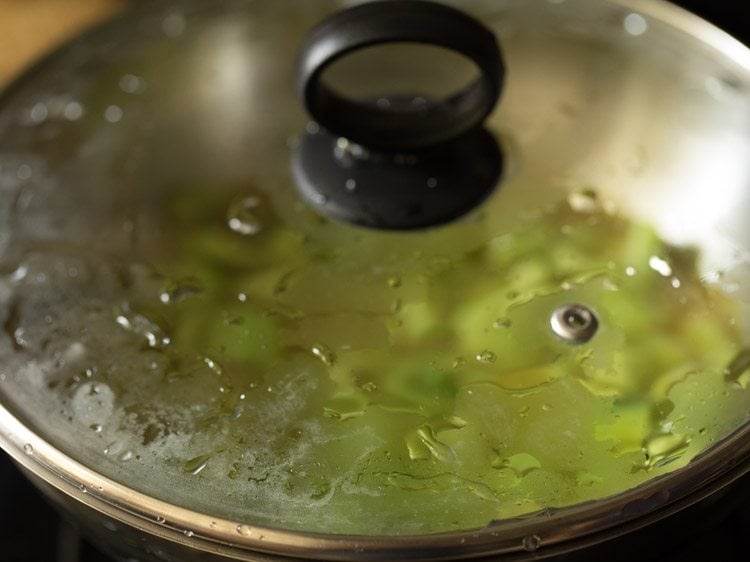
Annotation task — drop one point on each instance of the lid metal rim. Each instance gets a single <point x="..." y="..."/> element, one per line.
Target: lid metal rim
<point x="559" y="530"/>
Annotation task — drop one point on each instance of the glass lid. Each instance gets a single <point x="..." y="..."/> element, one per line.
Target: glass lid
<point x="179" y="317"/>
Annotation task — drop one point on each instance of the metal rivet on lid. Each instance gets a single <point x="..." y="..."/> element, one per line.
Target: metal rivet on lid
<point x="574" y="323"/>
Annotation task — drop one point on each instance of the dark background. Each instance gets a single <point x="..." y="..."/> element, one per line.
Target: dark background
<point x="731" y="15"/>
<point x="31" y="532"/>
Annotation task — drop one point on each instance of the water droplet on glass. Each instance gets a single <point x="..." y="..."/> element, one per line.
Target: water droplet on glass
<point x="350" y="185"/>
<point x="178" y="291"/>
<point x="432" y="183"/>
<point x="324" y="353"/>
<point x="635" y="24"/>
<point x="244" y="530"/>
<point x="675" y="282"/>
<point x="394" y="281"/>
<point x="664" y="448"/>
<point x="584" y="201"/>
<point x="521" y="464"/>
<point x="532" y="543"/>
<point x="343" y="408"/>
<point x="660" y="266"/>
<point x="83" y="488"/>
<point x="630" y="271"/>
<point x="161" y="520"/>
<point x="142" y="326"/>
<point x="486" y="357"/>
<point x="28" y="449"/>
<point x="19" y="274"/>
<point x="196" y="465"/>
<point x="113" y="448"/>
<point x="738" y="371"/>
<point x="213" y="365"/>
<point x="502" y="324"/>
<point x="242" y="216"/>
<point x="113" y="114"/>
<point x="188" y="533"/>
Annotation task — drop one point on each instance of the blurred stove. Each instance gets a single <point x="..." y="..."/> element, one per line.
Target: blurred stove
<point x="31" y="531"/>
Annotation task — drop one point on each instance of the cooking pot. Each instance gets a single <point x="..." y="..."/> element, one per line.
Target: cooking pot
<point x="218" y="311"/>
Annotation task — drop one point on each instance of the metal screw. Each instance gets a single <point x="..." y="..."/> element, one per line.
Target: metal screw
<point x="574" y="323"/>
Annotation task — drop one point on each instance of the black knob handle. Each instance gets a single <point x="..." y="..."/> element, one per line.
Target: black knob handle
<point x="398" y="21"/>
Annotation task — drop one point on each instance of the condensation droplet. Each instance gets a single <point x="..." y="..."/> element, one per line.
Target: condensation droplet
<point x="213" y="365"/>
<point x="584" y="201"/>
<point x="324" y="353"/>
<point x="196" y="465"/>
<point x="502" y="324"/>
<point x="242" y="217"/>
<point x="660" y="266"/>
<point x="188" y="533"/>
<point x="161" y="520"/>
<point x="244" y="530"/>
<point x="28" y="449"/>
<point x="394" y="281"/>
<point x="179" y="291"/>
<point x="351" y="185"/>
<point x="139" y="324"/>
<point x="113" y="448"/>
<point x="532" y="543"/>
<point x="486" y="356"/>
